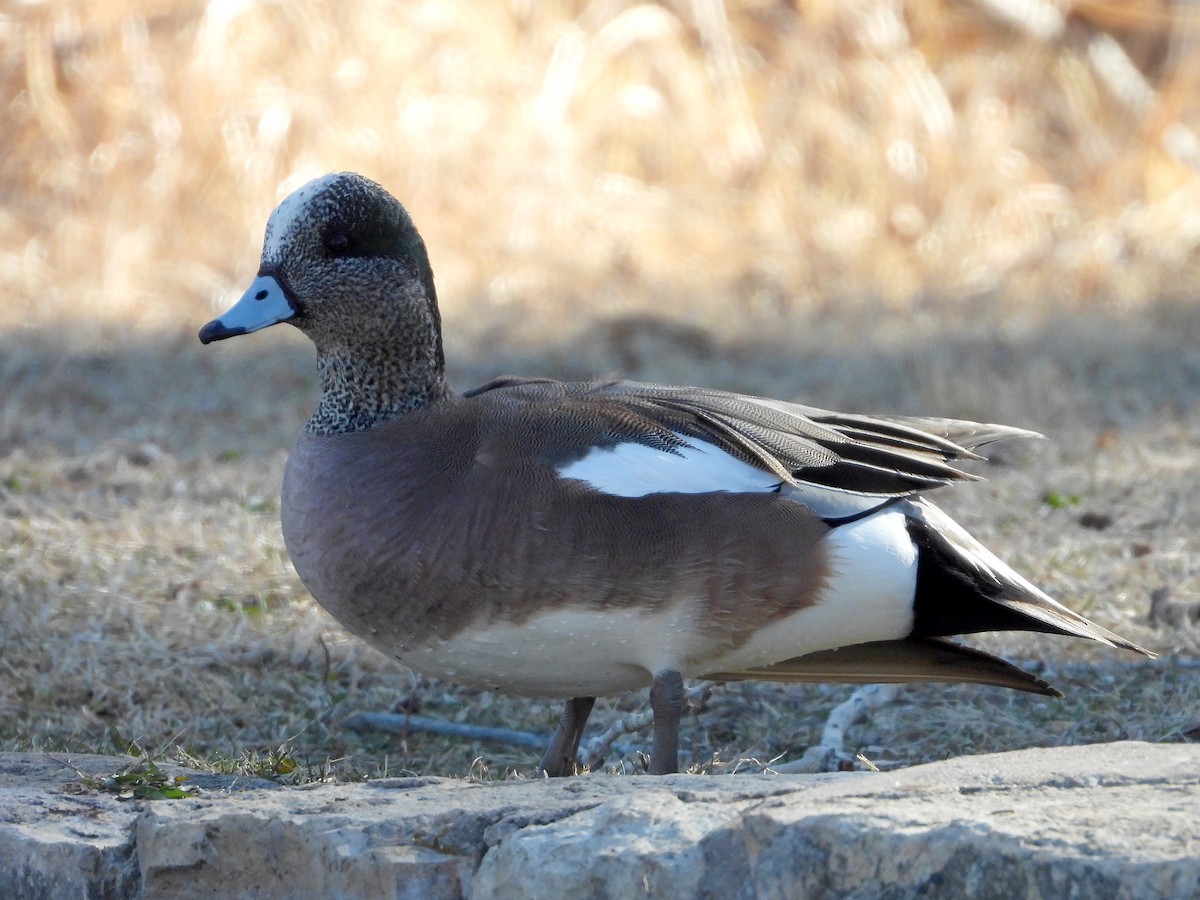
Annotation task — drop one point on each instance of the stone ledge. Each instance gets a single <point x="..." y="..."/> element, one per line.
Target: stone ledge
<point x="1111" y="820"/>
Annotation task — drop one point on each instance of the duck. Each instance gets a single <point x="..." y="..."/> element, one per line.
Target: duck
<point x="574" y="540"/>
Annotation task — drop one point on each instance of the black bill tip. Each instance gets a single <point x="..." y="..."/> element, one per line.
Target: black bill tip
<point x="216" y="330"/>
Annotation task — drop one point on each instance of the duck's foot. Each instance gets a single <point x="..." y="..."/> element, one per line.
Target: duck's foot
<point x="563" y="752"/>
<point x="667" y="701"/>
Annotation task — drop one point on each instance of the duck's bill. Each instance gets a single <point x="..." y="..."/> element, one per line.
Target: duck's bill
<point x="264" y="303"/>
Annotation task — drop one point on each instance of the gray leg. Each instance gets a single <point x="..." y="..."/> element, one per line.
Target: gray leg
<point x="667" y="702"/>
<point x="563" y="751"/>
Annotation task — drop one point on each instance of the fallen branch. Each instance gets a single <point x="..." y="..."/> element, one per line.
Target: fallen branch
<point x="831" y="755"/>
<point x="403" y="723"/>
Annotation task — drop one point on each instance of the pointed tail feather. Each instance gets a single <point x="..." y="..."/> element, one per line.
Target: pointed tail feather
<point x="962" y="587"/>
<point x="967" y="435"/>
<point x="908" y="660"/>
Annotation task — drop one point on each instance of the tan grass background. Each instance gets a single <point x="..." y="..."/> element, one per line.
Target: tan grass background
<point x="763" y="153"/>
<point x="988" y="209"/>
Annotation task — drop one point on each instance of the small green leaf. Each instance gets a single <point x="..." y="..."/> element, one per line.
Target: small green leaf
<point x="121" y="745"/>
<point x="1055" y="500"/>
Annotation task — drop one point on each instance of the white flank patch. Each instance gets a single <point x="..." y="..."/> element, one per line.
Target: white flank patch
<point x="286" y="213"/>
<point x="873" y="577"/>
<point x="635" y="470"/>
<point x="868" y="596"/>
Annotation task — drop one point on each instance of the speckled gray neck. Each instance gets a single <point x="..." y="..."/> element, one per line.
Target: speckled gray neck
<point x="372" y="369"/>
<point x="359" y="392"/>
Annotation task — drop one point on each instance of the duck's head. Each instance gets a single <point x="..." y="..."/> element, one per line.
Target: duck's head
<point x="341" y="261"/>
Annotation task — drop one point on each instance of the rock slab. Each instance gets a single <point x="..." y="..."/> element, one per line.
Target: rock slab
<point x="1114" y="820"/>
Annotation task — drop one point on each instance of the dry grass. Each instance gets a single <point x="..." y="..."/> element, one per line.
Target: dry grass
<point x="859" y="152"/>
<point x="899" y="206"/>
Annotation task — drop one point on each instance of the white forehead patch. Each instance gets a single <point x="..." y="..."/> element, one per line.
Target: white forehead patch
<point x="288" y="211"/>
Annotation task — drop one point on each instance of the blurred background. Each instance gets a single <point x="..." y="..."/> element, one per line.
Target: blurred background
<point x="729" y="160"/>
<point x="976" y="208"/>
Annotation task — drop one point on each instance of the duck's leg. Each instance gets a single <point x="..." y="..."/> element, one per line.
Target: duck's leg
<point x="667" y="703"/>
<point x="561" y="755"/>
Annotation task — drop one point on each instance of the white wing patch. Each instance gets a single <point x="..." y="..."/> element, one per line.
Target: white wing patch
<point x="635" y="470"/>
<point x="286" y="213"/>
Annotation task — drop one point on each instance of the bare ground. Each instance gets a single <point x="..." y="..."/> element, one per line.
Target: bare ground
<point x="144" y="586"/>
<point x="941" y="207"/>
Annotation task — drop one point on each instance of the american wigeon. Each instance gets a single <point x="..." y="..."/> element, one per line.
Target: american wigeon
<point x="579" y="539"/>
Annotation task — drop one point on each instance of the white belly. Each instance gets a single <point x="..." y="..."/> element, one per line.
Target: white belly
<point x="868" y="596"/>
<point x="565" y="653"/>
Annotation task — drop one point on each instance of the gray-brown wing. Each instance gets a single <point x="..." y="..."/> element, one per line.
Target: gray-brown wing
<point x="883" y="456"/>
<point x="805" y="447"/>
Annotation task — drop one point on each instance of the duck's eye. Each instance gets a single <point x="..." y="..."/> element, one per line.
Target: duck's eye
<point x="337" y="244"/>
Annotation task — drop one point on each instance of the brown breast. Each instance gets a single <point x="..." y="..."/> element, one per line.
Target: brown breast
<point x="455" y="515"/>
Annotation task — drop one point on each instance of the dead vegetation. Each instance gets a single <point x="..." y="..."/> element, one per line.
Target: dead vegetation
<point x="926" y="207"/>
